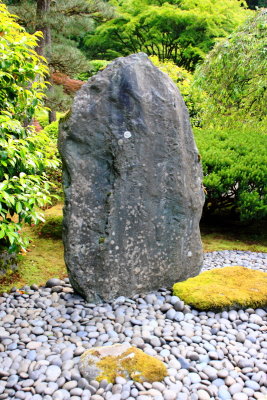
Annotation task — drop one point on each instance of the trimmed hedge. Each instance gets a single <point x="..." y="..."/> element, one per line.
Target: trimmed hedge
<point x="234" y="161"/>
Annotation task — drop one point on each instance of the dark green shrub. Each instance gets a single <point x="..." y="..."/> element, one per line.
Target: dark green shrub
<point x="235" y="169"/>
<point x="8" y="262"/>
<point x="52" y="227"/>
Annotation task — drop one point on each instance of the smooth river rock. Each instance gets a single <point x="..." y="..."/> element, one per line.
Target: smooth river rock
<point x="132" y="182"/>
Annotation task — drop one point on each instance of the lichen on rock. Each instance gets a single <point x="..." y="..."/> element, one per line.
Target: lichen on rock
<point x="132" y="183"/>
<point x="108" y="362"/>
<point x="224" y="288"/>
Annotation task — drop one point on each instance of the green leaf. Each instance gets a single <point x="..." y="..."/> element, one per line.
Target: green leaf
<point x="18" y="208"/>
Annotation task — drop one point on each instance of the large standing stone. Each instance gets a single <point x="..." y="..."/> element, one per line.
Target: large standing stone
<point x="132" y="181"/>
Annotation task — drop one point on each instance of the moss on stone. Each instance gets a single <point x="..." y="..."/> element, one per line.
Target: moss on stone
<point x="132" y="364"/>
<point x="224" y="288"/>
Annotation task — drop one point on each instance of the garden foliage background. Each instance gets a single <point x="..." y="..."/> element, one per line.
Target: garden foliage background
<point x="215" y="51"/>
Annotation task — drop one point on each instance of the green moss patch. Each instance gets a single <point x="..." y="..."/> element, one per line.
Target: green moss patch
<point x="108" y="362"/>
<point x="133" y="363"/>
<point x="43" y="259"/>
<point x="224" y="288"/>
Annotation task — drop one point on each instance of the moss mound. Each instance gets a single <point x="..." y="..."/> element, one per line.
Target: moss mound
<point x="224" y="288"/>
<point x="51" y="228"/>
<point x="133" y="363"/>
<point x="108" y="362"/>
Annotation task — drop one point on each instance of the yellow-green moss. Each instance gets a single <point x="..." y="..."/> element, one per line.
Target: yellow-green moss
<point x="131" y="364"/>
<point x="44" y="259"/>
<point x="224" y="288"/>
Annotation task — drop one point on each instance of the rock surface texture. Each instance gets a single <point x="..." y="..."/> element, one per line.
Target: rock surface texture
<point x="132" y="182"/>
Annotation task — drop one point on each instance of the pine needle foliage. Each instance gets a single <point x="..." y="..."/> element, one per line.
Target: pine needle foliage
<point x="63" y="23"/>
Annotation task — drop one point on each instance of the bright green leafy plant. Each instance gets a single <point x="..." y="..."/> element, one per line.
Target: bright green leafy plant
<point x="183" y="79"/>
<point x="52" y="130"/>
<point x="93" y="67"/>
<point x="24" y="154"/>
<point x="179" y="30"/>
<point x="234" y="74"/>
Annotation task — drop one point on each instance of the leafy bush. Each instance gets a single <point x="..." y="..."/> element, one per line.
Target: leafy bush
<point x="52" y="227"/>
<point x="193" y="97"/>
<point x="94" y="67"/>
<point x="179" y="30"/>
<point x="233" y="138"/>
<point x="52" y="130"/>
<point x="235" y="169"/>
<point x="42" y="117"/>
<point x="23" y="184"/>
<point x="55" y="174"/>
<point x="234" y="75"/>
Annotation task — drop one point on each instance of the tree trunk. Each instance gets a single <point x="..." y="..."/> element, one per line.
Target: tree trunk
<point x="44" y="43"/>
<point x="52" y="116"/>
<point x="42" y="8"/>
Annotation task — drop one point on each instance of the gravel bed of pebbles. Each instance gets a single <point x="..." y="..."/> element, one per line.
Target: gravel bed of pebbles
<point x="44" y="330"/>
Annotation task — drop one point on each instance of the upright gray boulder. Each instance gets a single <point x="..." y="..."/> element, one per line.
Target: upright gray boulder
<point x="132" y="182"/>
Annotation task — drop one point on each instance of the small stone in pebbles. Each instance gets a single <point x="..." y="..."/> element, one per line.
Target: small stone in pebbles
<point x="203" y="395"/>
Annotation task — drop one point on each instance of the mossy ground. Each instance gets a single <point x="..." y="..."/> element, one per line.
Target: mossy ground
<point x="224" y="288"/>
<point x="43" y="260"/>
<point x="226" y="234"/>
<point x="218" y="242"/>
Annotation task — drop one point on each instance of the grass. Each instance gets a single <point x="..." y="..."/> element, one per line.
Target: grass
<point x="226" y="234"/>
<point x="44" y="258"/>
<point x="217" y="242"/>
